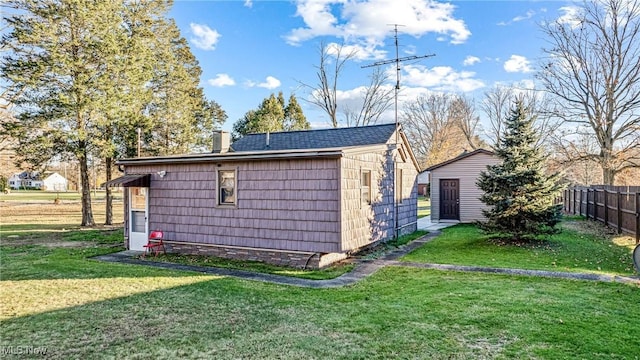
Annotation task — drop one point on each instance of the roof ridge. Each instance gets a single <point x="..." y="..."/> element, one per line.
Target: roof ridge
<point x="321" y="129"/>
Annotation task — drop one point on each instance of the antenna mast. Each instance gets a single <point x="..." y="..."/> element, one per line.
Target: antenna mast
<point x="397" y="61"/>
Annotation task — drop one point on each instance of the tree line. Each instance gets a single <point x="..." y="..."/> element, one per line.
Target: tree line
<point x="84" y="76"/>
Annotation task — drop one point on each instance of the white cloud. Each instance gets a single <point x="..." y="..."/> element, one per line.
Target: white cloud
<point x="360" y="52"/>
<point x="248" y="3"/>
<point x="205" y="38"/>
<point x="470" y="60"/>
<point x="528" y="15"/>
<point x="517" y="63"/>
<point x="365" y="22"/>
<point x="441" y="78"/>
<point x="570" y="15"/>
<point x="269" y="83"/>
<point x="221" y="80"/>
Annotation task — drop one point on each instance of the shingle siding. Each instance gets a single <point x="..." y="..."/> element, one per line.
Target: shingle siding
<point x="363" y="223"/>
<point x="467" y="170"/>
<point x="285" y="204"/>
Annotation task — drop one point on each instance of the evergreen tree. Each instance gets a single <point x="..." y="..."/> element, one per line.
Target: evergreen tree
<point x="294" y="118"/>
<point x="58" y="53"/>
<point x="84" y="75"/>
<point x="273" y="115"/>
<point x="519" y="194"/>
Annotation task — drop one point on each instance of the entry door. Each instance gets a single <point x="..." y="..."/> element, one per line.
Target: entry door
<point x="138" y="222"/>
<point x="449" y="199"/>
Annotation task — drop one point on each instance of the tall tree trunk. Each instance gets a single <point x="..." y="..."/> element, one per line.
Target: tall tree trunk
<point x="87" y="213"/>
<point x="608" y="174"/>
<point x="109" y="196"/>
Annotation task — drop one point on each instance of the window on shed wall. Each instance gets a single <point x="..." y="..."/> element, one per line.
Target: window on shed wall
<point x="365" y="186"/>
<point x="226" y="187"/>
<point x="399" y="192"/>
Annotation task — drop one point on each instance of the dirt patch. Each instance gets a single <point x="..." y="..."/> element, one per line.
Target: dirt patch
<point x="598" y="229"/>
<point x="47" y="243"/>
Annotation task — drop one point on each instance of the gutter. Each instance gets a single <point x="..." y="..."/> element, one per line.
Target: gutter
<point x="231" y="157"/>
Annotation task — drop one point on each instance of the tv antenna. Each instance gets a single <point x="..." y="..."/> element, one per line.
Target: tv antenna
<point x="397" y="61"/>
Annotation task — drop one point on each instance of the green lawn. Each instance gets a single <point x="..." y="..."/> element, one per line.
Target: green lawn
<point x="424" y="207"/>
<point x="256" y="266"/>
<point x="59" y="299"/>
<point x="38" y="195"/>
<point x="79" y="308"/>
<point x="568" y="251"/>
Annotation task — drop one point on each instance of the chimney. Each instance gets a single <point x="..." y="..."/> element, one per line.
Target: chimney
<point x="221" y="141"/>
<point x="267" y="139"/>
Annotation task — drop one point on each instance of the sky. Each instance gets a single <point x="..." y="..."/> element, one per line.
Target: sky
<point x="248" y="49"/>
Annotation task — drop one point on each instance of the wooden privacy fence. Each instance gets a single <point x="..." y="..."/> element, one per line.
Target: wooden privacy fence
<point x="616" y="206"/>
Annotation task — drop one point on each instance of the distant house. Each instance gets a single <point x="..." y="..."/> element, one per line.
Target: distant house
<point x="423" y="183"/>
<point x="54" y="182"/>
<point x="48" y="181"/>
<point x="454" y="194"/>
<point x="300" y="198"/>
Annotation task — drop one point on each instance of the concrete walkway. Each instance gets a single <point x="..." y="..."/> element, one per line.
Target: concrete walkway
<point x="363" y="269"/>
<point x="426" y="224"/>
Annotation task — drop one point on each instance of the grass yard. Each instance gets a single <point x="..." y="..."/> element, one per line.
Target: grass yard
<point x="38" y="195"/>
<point x="327" y="273"/>
<point x="79" y="308"/>
<point x="424" y="207"/>
<point x="54" y="298"/>
<point x="581" y="247"/>
<point x="37" y="222"/>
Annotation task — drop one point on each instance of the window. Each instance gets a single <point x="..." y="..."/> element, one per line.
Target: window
<point x="226" y="187"/>
<point x="399" y="185"/>
<point x="365" y="186"/>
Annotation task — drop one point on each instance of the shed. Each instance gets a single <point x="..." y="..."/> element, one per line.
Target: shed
<point x="454" y="193"/>
<point x="423" y="183"/>
<point x="299" y="198"/>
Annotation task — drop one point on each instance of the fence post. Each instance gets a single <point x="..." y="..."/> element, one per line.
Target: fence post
<point x="619" y="212"/>
<point x="606" y="208"/>
<point x="580" y="204"/>
<point x="587" y="210"/>
<point x="594" y="214"/>
<point x="638" y="217"/>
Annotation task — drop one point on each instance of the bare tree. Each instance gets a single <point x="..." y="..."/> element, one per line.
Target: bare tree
<point x="377" y="98"/>
<point x="462" y="113"/>
<point x="434" y="135"/>
<point x="593" y="70"/>
<point x="324" y="93"/>
<point x="498" y="102"/>
<point x="496" y="105"/>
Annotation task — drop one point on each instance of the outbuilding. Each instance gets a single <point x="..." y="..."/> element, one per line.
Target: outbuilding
<point x="454" y="194"/>
<point x="299" y="198"/>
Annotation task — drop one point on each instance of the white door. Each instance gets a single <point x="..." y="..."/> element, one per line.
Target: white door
<point x="138" y="222"/>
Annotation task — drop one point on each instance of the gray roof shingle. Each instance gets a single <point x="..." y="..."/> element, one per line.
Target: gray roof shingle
<point x="316" y="139"/>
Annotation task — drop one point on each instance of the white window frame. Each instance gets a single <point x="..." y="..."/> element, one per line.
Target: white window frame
<point x="366" y="199"/>
<point x="219" y="202"/>
<point x="399" y="185"/>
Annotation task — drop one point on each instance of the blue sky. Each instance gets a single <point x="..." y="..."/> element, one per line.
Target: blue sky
<point x="250" y="49"/>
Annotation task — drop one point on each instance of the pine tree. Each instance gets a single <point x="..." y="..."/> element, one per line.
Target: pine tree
<point x="272" y="115"/>
<point x="294" y="118"/>
<point x="84" y="75"/>
<point x="519" y="193"/>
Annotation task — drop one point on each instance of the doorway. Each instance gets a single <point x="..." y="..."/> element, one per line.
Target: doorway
<point x="449" y="199"/>
<point x="138" y="219"/>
